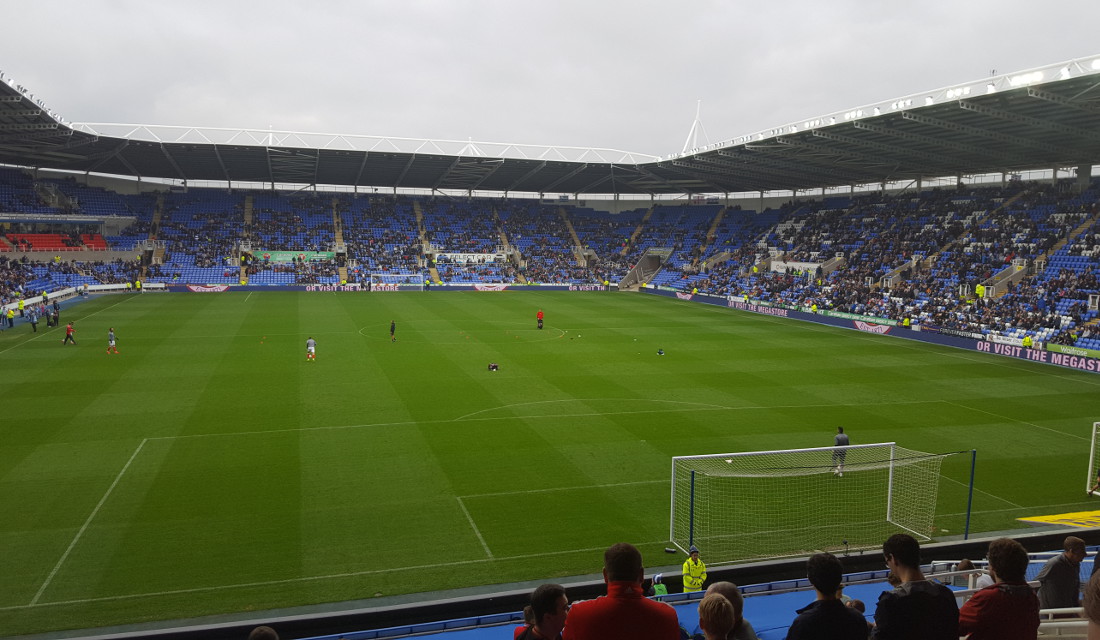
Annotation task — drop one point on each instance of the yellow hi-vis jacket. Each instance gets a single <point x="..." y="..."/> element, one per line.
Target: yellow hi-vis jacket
<point x="695" y="574"/>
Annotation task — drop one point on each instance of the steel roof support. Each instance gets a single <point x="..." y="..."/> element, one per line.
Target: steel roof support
<point x="172" y="161"/>
<point x="1058" y="99"/>
<point x="359" y="174"/>
<point x="527" y="176"/>
<point x="977" y="131"/>
<point x="404" y="172"/>
<point x="1073" y="132"/>
<point x="571" y="174"/>
<point x="727" y="171"/>
<point x="777" y="163"/>
<point x="868" y="160"/>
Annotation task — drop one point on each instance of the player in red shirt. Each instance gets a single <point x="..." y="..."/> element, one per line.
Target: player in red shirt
<point x="539" y="316"/>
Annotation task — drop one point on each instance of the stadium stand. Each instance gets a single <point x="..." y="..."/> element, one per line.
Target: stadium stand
<point x="919" y="256"/>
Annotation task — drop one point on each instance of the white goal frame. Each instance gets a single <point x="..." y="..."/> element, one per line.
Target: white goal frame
<point x="393" y="281"/>
<point x="890" y="465"/>
<point x="1091" y="478"/>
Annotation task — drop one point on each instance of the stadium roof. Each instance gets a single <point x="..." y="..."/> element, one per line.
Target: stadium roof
<point x="1043" y="118"/>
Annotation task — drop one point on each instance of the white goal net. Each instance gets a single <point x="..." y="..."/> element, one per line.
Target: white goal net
<point x="767" y="504"/>
<point x="394" y="281"/>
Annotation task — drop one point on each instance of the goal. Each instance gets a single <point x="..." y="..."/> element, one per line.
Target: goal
<point x="769" y="504"/>
<point x="393" y="281"/>
<point x="1094" y="457"/>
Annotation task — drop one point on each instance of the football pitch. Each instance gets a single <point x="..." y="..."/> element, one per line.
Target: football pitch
<point x="209" y="468"/>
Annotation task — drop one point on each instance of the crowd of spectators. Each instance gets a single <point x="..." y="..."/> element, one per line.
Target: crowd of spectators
<point x="201" y="233"/>
<point x="296" y="223"/>
<point x="26" y="278"/>
<point x="996" y="604"/>
<point x="460" y="227"/>
<point x="14" y="275"/>
<point x="933" y="249"/>
<point x="381" y="235"/>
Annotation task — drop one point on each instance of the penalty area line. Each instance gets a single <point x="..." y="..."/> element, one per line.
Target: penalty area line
<point x="84" y="527"/>
<point x="473" y="526"/>
<point x="551" y="489"/>
<point x="1008" y="419"/>
<point x="977" y="490"/>
<point x="468" y="418"/>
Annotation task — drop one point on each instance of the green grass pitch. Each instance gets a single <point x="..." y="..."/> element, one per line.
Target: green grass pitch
<point x="209" y="468"/>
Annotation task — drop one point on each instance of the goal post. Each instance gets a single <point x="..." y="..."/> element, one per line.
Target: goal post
<point x="396" y="281"/>
<point x="1094" y="458"/>
<point x="768" y="504"/>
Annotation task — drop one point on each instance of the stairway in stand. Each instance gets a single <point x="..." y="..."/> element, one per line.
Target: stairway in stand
<point x="711" y="234"/>
<point x="248" y="204"/>
<point x="637" y="231"/>
<point x="338" y="239"/>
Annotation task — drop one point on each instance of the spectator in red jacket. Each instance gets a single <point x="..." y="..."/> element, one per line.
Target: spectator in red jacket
<point x="624" y="612"/>
<point x="1008" y="609"/>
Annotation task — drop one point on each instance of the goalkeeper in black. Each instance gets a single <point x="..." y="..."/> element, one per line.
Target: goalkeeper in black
<point x="841" y="440"/>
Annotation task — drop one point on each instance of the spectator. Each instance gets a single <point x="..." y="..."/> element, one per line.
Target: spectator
<point x="826" y="618"/>
<point x="263" y="633"/>
<point x="1059" y="579"/>
<point x="963" y="580"/>
<point x="1092" y="606"/>
<point x="742" y="628"/>
<point x="916" y="609"/>
<point x="716" y="616"/>
<point x="659" y="588"/>
<point x="549" y="607"/>
<point x="1009" y="609"/>
<point x="528" y="622"/>
<point x="984" y="580"/>
<point x="624" y="612"/>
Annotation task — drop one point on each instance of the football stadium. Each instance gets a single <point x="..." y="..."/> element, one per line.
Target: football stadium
<point x="363" y="390"/>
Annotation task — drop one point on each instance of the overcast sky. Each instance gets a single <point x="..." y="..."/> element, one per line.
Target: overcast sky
<point x="597" y="73"/>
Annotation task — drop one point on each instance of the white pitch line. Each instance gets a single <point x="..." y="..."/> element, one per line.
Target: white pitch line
<point x="231" y="336"/>
<point x="1007" y="419"/>
<point x="473" y="526"/>
<point x="40" y="334"/>
<point x="1031" y="508"/>
<point x="977" y="490"/>
<point x="1016" y="364"/>
<point x="19" y="344"/>
<point x="634" y="400"/>
<point x="549" y="489"/>
<point x="590" y="414"/>
<point x="698" y="407"/>
<point x="87" y="522"/>
<point x="332" y="576"/>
